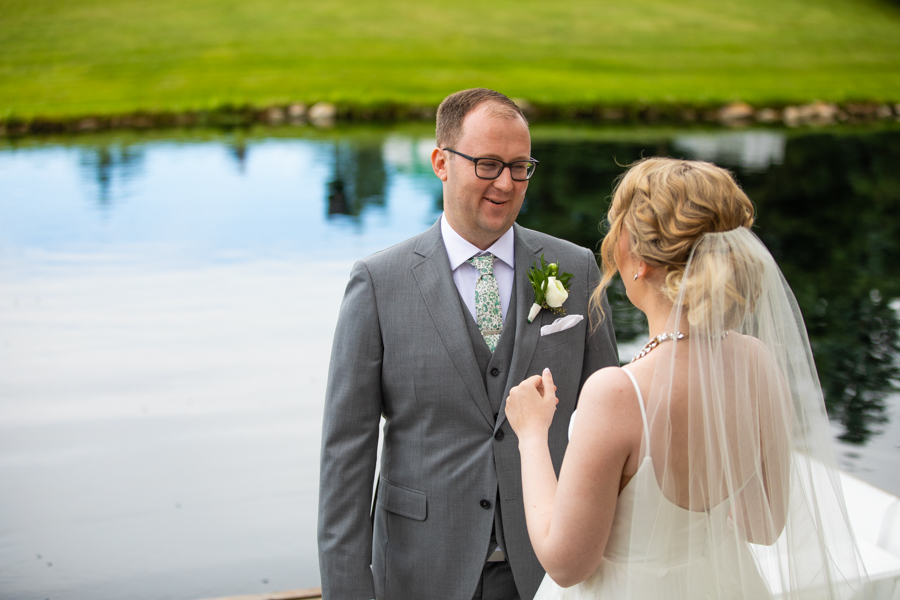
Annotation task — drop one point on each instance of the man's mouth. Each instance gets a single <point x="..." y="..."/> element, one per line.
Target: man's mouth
<point x="497" y="202"/>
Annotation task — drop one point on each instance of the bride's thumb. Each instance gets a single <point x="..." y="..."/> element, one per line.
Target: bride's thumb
<point x="547" y="379"/>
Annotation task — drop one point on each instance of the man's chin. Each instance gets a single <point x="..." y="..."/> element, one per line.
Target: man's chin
<point x="496" y="227"/>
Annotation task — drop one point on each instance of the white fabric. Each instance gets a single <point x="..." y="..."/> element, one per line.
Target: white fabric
<point x="737" y="494"/>
<point x="680" y="548"/>
<point x="561" y="324"/>
<point x="459" y="250"/>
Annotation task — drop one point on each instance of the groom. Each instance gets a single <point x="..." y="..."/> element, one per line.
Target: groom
<point x="432" y="334"/>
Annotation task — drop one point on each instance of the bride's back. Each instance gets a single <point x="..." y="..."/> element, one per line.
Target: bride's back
<point x="718" y="423"/>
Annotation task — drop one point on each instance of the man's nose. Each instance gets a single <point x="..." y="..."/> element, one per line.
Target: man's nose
<point x="504" y="181"/>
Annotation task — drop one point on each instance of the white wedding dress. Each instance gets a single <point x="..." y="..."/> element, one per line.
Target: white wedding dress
<point x="644" y="559"/>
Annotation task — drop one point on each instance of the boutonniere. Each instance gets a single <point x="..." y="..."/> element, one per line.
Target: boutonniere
<point x="550" y="288"/>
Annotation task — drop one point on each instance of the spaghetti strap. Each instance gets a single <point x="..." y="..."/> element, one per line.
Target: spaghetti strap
<point x="640" y="402"/>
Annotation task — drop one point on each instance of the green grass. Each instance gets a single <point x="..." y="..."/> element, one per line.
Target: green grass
<point x="79" y="57"/>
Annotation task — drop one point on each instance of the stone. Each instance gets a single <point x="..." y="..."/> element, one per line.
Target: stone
<point x="18" y="128"/>
<point x="791" y="116"/>
<point x="817" y="113"/>
<point x="182" y="119"/>
<point x="274" y="115"/>
<point x="423" y="113"/>
<point x="322" y="114"/>
<point x="735" y="112"/>
<point x="650" y="114"/>
<point x="296" y="113"/>
<point x="139" y="121"/>
<point x="767" y="115"/>
<point x="88" y="124"/>
<point x="612" y="114"/>
<point x="524" y="105"/>
<point x="822" y="113"/>
<point x="860" y="110"/>
<point x="884" y="112"/>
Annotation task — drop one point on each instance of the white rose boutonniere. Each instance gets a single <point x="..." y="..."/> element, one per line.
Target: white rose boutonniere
<point x="551" y="288"/>
<point x="556" y="293"/>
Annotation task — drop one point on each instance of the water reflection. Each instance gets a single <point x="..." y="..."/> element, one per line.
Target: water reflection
<point x="111" y="167"/>
<point x="752" y="151"/>
<point x="358" y="179"/>
<point x="238" y="150"/>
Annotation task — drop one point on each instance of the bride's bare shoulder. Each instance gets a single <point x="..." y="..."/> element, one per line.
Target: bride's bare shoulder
<point x="607" y="376"/>
<point x="607" y="389"/>
<point x="608" y="408"/>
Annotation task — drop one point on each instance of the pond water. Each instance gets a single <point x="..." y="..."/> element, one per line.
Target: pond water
<point x="167" y="303"/>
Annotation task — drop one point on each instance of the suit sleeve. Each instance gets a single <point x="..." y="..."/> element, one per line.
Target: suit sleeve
<point x="353" y="407"/>
<point x="600" y="348"/>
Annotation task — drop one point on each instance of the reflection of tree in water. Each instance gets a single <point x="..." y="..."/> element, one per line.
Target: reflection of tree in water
<point x="108" y="165"/>
<point x="238" y="150"/>
<point x="358" y="179"/>
<point x="830" y="215"/>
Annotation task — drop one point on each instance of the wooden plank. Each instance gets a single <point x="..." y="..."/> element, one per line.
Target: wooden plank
<point x="306" y="594"/>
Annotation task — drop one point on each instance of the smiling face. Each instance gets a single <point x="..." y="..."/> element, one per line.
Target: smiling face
<point x="481" y="210"/>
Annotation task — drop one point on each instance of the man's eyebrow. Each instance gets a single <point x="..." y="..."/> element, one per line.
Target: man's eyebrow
<point x="500" y="158"/>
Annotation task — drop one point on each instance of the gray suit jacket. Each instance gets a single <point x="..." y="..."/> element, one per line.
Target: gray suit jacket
<point x="402" y="350"/>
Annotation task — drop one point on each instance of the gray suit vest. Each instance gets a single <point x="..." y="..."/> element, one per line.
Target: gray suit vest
<point x="494" y="372"/>
<point x="494" y="381"/>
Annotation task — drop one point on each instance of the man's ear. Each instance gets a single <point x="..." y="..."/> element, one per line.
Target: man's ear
<point x="439" y="163"/>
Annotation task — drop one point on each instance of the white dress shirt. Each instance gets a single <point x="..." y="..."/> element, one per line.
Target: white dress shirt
<point x="465" y="275"/>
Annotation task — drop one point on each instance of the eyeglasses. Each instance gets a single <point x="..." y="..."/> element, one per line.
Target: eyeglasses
<point x="490" y="168"/>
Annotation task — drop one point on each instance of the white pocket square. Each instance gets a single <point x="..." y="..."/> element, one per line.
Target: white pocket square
<point x="561" y="324"/>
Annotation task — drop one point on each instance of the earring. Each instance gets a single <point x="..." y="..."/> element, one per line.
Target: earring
<point x="635" y="276"/>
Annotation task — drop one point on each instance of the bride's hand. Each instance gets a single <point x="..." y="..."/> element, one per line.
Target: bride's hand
<point x="531" y="404"/>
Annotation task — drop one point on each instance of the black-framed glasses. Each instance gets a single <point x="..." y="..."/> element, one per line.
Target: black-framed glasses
<point x="490" y="168"/>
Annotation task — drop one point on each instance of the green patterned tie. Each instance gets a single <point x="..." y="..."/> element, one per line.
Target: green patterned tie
<point x="487" y="300"/>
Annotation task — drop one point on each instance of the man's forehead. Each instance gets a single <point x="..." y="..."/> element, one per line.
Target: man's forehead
<point x="485" y="129"/>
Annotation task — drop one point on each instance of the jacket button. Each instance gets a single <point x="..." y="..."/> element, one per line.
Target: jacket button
<point x="485" y="504"/>
<point x="499" y="435"/>
<point x="495" y="371"/>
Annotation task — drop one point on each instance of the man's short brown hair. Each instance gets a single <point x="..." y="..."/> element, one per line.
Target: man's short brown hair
<point x="455" y="107"/>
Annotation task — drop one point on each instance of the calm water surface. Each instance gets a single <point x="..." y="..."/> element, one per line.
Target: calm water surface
<point x="167" y="307"/>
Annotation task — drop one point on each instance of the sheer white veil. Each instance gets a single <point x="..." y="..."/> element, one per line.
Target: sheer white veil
<point x="743" y="475"/>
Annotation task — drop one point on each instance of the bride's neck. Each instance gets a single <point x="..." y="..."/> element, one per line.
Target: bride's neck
<point x="658" y="311"/>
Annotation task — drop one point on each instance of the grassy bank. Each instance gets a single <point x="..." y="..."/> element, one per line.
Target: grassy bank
<point x="60" y="59"/>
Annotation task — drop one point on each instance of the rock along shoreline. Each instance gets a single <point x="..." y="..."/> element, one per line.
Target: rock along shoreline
<point x="326" y="114"/>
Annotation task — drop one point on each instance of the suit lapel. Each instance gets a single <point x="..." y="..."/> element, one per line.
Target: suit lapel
<point x="435" y="281"/>
<point x="528" y="251"/>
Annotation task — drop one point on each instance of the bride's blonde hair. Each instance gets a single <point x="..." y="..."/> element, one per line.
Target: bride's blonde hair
<point x="665" y="206"/>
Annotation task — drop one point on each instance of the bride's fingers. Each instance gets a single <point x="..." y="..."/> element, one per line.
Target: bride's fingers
<point x="531" y="384"/>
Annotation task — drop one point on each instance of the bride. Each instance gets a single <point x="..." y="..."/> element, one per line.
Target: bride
<point x="705" y="468"/>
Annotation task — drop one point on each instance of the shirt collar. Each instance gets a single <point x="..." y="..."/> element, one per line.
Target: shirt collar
<point x="459" y="250"/>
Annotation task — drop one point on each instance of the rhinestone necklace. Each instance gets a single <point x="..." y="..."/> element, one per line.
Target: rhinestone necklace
<point x="653" y="343"/>
<point x="664" y="337"/>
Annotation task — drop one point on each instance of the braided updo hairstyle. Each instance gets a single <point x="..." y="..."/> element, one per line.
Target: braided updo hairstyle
<point x="665" y="205"/>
